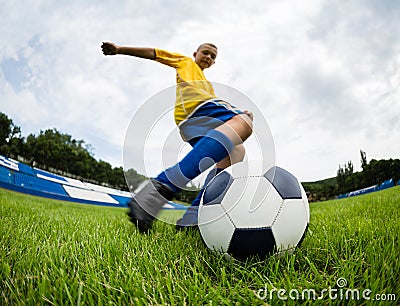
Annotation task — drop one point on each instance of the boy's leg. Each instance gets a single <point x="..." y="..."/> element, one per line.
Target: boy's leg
<point x="148" y="201"/>
<point x="238" y="128"/>
<point x="190" y="217"/>
<point x="236" y="156"/>
<point x="212" y="148"/>
<point x="209" y="150"/>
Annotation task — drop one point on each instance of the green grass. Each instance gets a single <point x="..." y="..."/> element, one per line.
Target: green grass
<point x="57" y="253"/>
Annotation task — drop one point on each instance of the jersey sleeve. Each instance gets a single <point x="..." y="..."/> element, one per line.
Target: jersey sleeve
<point x="171" y="59"/>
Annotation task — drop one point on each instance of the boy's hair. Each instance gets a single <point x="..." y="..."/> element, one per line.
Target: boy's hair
<point x="207" y="44"/>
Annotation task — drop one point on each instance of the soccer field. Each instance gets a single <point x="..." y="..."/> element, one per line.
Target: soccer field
<point x="57" y="253"/>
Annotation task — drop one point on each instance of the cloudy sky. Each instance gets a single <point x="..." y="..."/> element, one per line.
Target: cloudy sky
<point x="324" y="74"/>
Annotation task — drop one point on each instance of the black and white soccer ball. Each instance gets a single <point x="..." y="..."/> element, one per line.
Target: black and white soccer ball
<point x="247" y="212"/>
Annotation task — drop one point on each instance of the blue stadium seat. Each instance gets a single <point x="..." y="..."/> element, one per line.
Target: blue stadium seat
<point x="49" y="175"/>
<point x="35" y="183"/>
<point x="25" y="169"/>
<point x="6" y="175"/>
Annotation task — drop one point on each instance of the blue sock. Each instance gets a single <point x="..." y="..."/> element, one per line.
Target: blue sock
<point x="211" y="149"/>
<point x="210" y="176"/>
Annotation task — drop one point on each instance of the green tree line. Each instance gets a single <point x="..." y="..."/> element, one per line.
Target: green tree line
<point x="60" y="153"/>
<point x="373" y="173"/>
<point x="321" y="190"/>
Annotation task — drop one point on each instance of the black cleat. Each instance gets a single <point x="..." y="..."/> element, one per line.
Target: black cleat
<point x="189" y="219"/>
<point x="147" y="202"/>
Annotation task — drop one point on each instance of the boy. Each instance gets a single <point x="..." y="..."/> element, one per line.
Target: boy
<point x="214" y="128"/>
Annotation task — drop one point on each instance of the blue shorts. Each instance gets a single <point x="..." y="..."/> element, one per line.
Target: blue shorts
<point x="207" y="117"/>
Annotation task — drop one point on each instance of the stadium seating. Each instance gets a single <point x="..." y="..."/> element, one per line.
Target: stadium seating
<point x="32" y="182"/>
<point x="5" y="175"/>
<point x="23" y="178"/>
<point x="384" y="185"/>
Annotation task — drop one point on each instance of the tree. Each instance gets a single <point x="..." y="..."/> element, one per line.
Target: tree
<point x="396" y="171"/>
<point x="10" y="137"/>
<point x="344" y="178"/>
<point x="364" y="162"/>
<point x="133" y="179"/>
<point x="118" y="179"/>
<point x="5" y="129"/>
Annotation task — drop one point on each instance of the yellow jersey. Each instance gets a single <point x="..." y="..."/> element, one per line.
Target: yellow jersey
<point x="192" y="88"/>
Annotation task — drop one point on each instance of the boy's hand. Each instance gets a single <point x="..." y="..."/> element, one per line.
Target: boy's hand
<point x="109" y="48"/>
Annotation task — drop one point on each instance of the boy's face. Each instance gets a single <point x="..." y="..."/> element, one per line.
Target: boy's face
<point x="205" y="56"/>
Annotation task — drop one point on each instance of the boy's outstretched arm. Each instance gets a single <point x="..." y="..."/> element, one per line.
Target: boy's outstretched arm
<point x="113" y="49"/>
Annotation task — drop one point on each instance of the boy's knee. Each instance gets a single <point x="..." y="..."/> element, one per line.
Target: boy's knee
<point x="238" y="128"/>
<point x="239" y="152"/>
<point x="247" y="126"/>
<point x="236" y="156"/>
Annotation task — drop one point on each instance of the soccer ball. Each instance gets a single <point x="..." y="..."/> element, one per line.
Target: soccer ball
<point x="248" y="212"/>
